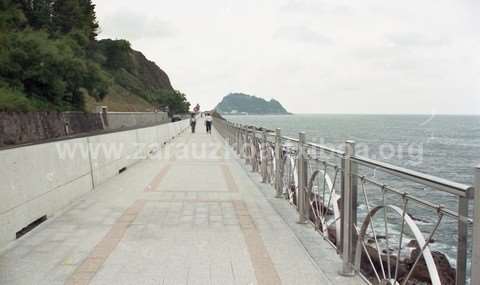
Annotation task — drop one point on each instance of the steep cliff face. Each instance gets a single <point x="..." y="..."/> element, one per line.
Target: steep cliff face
<point x="148" y="72"/>
<point x="238" y="103"/>
<point x="138" y="84"/>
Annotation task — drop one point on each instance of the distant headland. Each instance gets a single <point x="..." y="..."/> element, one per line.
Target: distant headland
<point x="243" y="104"/>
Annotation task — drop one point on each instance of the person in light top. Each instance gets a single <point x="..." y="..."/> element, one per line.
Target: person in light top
<point x="208" y="123"/>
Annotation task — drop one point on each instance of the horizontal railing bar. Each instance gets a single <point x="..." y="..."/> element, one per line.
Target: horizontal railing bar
<point x="438" y="183"/>
<point x="271" y="134"/>
<point x="438" y="207"/>
<point x="249" y="128"/>
<point x="325" y="162"/>
<point x="327" y="149"/>
<point x="290" y="139"/>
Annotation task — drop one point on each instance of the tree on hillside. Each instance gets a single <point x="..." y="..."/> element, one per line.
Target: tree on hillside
<point x="38" y="12"/>
<point x="65" y="16"/>
<point x="11" y="18"/>
<point x="74" y="15"/>
<point x="49" y="70"/>
<point x="89" y="19"/>
<point x="116" y="53"/>
<point x="175" y="100"/>
<point x="61" y="16"/>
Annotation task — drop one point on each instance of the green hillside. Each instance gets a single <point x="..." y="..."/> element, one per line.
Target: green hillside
<point x="50" y="59"/>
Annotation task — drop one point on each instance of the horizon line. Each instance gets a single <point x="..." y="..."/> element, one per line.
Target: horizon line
<point x="392" y="114"/>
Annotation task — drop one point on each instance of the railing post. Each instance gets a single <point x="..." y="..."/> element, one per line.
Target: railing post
<point x="348" y="211"/>
<point x="248" y="145"/>
<point x="235" y="137"/>
<point x="462" y="243"/>
<point x="237" y="131"/>
<point x="264" y="156"/>
<point x="226" y="133"/>
<point x="241" y="146"/>
<point x="255" y="157"/>
<point x="302" y="170"/>
<point x="230" y="133"/>
<point x="476" y="231"/>
<point x="253" y="150"/>
<point x="245" y="141"/>
<point x="278" y="163"/>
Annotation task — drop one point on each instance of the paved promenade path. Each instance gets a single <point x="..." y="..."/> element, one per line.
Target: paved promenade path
<point x="195" y="216"/>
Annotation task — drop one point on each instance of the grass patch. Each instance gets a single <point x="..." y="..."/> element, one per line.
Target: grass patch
<point x="120" y="100"/>
<point x="14" y="101"/>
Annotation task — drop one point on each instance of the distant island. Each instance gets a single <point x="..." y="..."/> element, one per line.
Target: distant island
<point x="243" y="104"/>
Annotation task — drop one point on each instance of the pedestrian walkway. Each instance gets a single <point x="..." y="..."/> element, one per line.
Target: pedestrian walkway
<point x="192" y="215"/>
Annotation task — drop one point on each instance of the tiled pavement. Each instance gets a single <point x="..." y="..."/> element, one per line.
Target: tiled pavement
<point x="196" y="217"/>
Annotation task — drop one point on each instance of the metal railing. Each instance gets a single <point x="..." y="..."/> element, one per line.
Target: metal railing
<point x="384" y="220"/>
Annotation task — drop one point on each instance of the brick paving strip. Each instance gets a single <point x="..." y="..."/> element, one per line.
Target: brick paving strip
<point x="232" y="186"/>
<point x="90" y="266"/>
<point x="265" y="271"/>
<point x="153" y="185"/>
<point x="222" y="152"/>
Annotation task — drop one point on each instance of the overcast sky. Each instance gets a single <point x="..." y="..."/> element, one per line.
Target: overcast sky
<point x="314" y="56"/>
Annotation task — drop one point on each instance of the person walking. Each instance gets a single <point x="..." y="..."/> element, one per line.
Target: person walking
<point x="208" y="123"/>
<point x="193" y="123"/>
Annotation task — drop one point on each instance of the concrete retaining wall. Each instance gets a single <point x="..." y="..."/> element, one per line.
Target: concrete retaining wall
<point x="119" y="120"/>
<point x="45" y="178"/>
<point x="32" y="127"/>
<point x="21" y="128"/>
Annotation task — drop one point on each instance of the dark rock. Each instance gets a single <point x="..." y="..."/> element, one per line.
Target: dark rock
<point x="419" y="274"/>
<point x="414" y="244"/>
<point x="332" y="235"/>
<point x="446" y="272"/>
<point x="417" y="219"/>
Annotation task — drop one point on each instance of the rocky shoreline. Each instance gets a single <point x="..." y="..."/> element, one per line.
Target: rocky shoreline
<point x="419" y="276"/>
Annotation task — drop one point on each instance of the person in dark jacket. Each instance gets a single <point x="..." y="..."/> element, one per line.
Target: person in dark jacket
<point x="193" y="123"/>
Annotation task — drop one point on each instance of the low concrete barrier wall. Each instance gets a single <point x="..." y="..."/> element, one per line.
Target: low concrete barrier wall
<point x="41" y="180"/>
